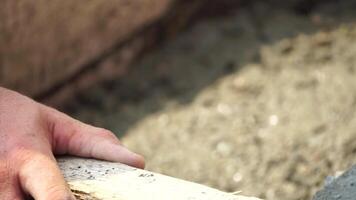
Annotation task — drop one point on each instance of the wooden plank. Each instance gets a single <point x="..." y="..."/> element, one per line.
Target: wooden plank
<point x="100" y="180"/>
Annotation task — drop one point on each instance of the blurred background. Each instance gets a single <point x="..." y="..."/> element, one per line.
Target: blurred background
<point x="257" y="96"/>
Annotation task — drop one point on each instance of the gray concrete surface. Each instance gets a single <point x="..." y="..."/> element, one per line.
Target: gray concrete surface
<point x="341" y="188"/>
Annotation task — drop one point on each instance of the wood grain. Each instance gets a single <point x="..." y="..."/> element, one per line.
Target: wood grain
<point x="100" y="180"/>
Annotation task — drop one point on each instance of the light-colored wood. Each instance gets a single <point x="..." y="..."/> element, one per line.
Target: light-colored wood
<point x="100" y="180"/>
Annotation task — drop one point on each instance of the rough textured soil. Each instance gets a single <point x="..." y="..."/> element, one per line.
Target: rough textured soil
<point x="263" y="101"/>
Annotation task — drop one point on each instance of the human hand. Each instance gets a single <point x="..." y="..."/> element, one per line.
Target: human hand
<point x="32" y="133"/>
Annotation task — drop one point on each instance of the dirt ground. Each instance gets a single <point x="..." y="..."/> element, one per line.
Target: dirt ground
<point x="263" y="101"/>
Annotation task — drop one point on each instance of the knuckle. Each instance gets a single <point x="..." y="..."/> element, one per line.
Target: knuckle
<point x="7" y="182"/>
<point x="106" y="133"/>
<point x="4" y="173"/>
<point x="20" y="152"/>
<point x="8" y="165"/>
<point x="23" y="155"/>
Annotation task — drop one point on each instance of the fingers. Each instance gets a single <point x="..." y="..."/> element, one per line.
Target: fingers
<point x="99" y="143"/>
<point x="9" y="189"/>
<point x="41" y="178"/>
<point x="76" y="138"/>
<point x="10" y="194"/>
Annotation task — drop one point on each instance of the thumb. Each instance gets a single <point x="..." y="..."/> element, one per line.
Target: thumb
<point x="41" y="178"/>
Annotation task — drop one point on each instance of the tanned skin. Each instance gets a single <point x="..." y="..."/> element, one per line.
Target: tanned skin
<point x="31" y="134"/>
